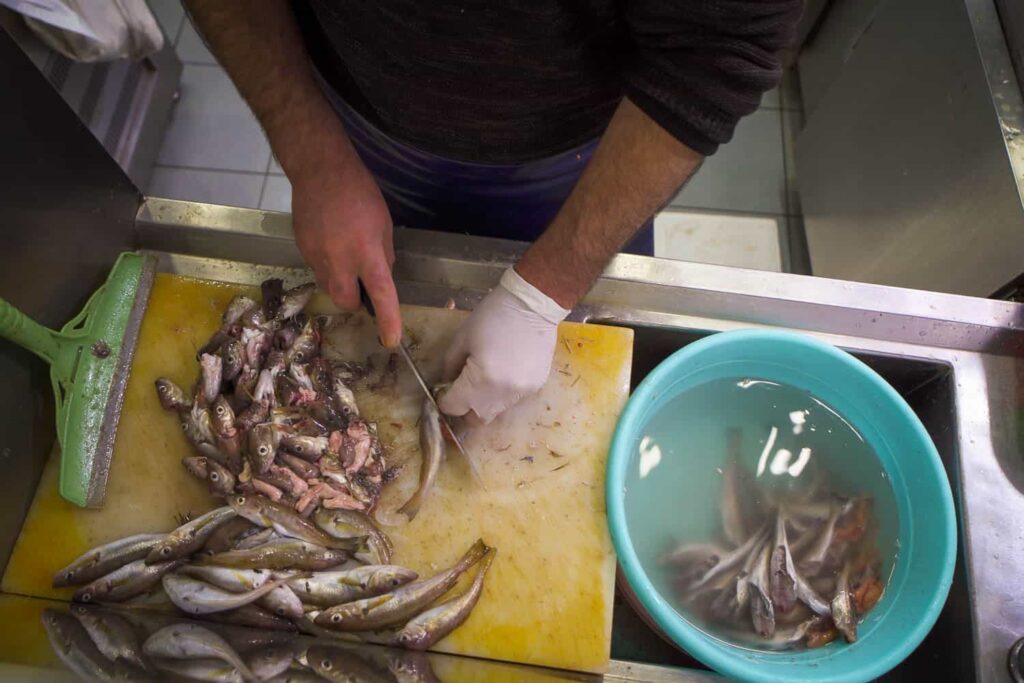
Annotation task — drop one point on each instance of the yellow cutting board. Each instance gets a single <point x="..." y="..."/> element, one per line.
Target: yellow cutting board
<point x="548" y="597"/>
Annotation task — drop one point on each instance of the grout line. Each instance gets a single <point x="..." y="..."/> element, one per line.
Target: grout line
<point x="207" y="168"/>
<point x="263" y="191"/>
<point x="785" y="256"/>
<point x="722" y="212"/>
<point x="181" y="26"/>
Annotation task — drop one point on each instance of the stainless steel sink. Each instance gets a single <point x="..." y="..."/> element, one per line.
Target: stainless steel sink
<point x="958" y="361"/>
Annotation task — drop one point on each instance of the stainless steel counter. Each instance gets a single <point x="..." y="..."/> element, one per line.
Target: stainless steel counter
<point x="959" y="361"/>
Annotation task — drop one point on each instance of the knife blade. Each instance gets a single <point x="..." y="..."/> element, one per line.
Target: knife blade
<point x="364" y="298"/>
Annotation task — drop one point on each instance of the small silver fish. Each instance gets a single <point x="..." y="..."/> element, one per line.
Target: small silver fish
<point x="842" y="607"/>
<point x="135" y="578"/>
<point x="252" y="617"/>
<point x="189" y="537"/>
<point x="335" y="587"/>
<point x="283" y="602"/>
<point x="401" y="604"/>
<point x="228" y="578"/>
<point x="348" y="523"/>
<point x="198" y="425"/>
<point x="75" y="649"/>
<point x="191" y="641"/>
<point x="193" y="596"/>
<point x="286" y="522"/>
<point x="782" y="573"/>
<point x="106" y="558"/>
<point x="336" y="664"/>
<point x="263" y="440"/>
<point x="762" y="611"/>
<point x="197" y="465"/>
<point x="269" y="661"/>
<point x="220" y="479"/>
<point x="201" y="669"/>
<point x="734" y="495"/>
<point x="228" y="534"/>
<point x="232" y="355"/>
<point x="172" y="397"/>
<point x="306" y="346"/>
<point x="344" y="399"/>
<point x="294" y="300"/>
<point x="279" y="553"/>
<point x="432" y="450"/>
<point x="734" y="558"/>
<point x="239" y="306"/>
<point x="300" y="466"/>
<point x="257" y="342"/>
<point x="112" y="634"/>
<point x="425" y="630"/>
<point x="211" y="369"/>
<point x="308" y="447"/>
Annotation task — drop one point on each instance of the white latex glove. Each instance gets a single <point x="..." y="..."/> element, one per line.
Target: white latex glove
<point x="503" y="351"/>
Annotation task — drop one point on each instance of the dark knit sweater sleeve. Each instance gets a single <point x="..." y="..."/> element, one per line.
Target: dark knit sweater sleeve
<point x="699" y="66"/>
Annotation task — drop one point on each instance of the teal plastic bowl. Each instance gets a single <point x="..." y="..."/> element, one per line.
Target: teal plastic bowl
<point x="923" y="570"/>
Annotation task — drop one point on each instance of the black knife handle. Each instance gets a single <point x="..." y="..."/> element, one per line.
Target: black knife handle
<point x="364" y="299"/>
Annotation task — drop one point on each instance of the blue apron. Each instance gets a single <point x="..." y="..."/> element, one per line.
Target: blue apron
<point x="427" y="191"/>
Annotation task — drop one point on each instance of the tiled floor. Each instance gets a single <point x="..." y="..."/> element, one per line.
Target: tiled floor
<point x="735" y="211"/>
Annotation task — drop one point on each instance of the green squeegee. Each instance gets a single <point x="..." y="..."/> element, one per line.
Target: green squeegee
<point x="90" y="359"/>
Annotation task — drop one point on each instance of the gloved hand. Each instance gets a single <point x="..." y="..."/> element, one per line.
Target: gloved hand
<point x="503" y="351"/>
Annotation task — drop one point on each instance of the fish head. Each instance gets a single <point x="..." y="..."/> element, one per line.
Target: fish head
<point x="390" y="577"/>
<point x="171" y="396"/>
<point x="197" y="465"/>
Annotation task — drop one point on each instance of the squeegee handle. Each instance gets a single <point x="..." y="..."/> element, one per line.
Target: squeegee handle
<point x="23" y="331"/>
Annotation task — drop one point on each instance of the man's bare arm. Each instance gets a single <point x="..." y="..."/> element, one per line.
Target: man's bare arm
<point x="342" y="225"/>
<point x="636" y="169"/>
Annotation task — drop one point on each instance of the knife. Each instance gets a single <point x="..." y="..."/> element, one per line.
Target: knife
<point x="364" y="298"/>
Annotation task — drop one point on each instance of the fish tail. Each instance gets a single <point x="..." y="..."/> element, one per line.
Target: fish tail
<point x="412" y="506"/>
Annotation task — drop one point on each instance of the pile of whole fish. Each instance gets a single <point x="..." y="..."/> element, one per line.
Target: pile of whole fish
<point x="259" y="563"/>
<point x="113" y="643"/>
<point x="792" y="570"/>
<point x="270" y="415"/>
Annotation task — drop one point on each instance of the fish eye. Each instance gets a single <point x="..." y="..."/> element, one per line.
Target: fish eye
<point x="335" y="618"/>
<point x="166" y="550"/>
<point x="214" y="476"/>
<point x="162" y="388"/>
<point x="86" y="597"/>
<point x="394" y="582"/>
<point x="220" y="410"/>
<point x="240" y="500"/>
<point x="184" y="426"/>
<point x="263" y="450"/>
<point x="326" y="665"/>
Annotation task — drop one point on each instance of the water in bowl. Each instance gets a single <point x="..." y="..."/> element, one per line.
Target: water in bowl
<point x="739" y="468"/>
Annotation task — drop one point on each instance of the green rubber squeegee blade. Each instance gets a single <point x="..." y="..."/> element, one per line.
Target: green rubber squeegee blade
<point x="90" y="359"/>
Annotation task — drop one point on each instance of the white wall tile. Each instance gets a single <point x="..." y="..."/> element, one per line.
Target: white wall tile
<point x="746" y="175"/>
<point x="213" y="187"/>
<point x="190" y="47"/>
<point x="741" y="241"/>
<point x="212" y="127"/>
<point x="277" y="194"/>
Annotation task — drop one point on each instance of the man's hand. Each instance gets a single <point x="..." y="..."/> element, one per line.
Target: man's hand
<point x="341" y="223"/>
<point x="503" y="350"/>
<point x="343" y="229"/>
